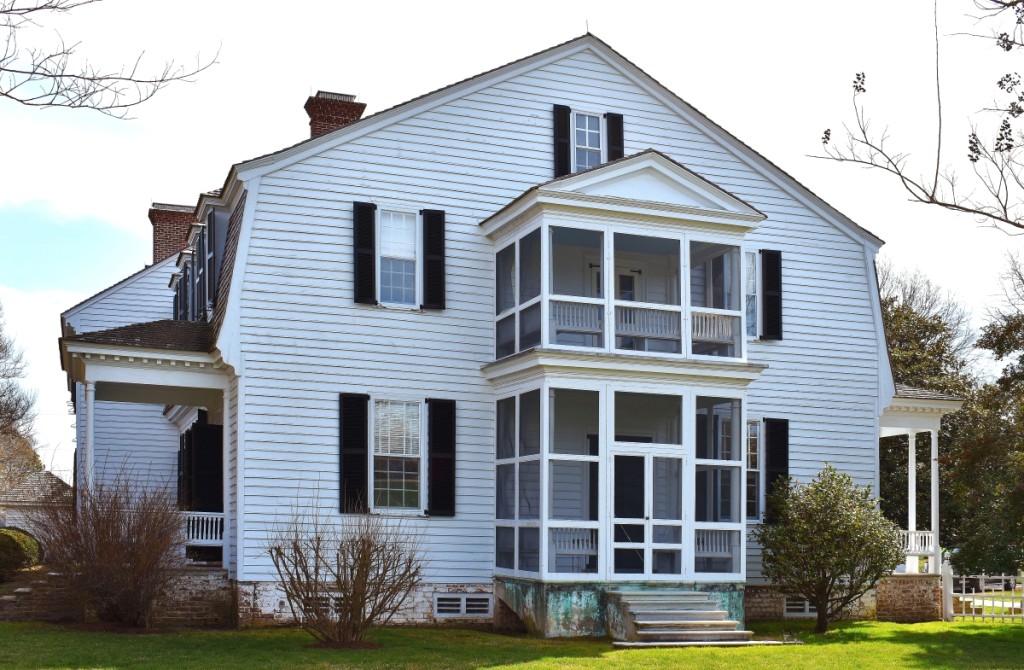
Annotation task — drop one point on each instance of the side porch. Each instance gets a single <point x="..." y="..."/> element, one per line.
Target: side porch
<point x="170" y="366"/>
<point x="917" y="413"/>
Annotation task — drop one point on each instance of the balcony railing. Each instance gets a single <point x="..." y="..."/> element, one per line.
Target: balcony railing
<point x="710" y="543"/>
<point x="204" y="529"/>
<point x="918" y="542"/>
<point x="712" y="327"/>
<point x="640" y="322"/>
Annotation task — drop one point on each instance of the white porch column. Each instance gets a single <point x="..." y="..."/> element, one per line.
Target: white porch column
<point x="912" y="561"/>
<point x="226" y="445"/>
<point x="90" y="434"/>
<point x="936" y="561"/>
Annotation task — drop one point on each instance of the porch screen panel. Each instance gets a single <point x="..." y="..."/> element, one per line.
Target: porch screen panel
<point x="648" y="417"/>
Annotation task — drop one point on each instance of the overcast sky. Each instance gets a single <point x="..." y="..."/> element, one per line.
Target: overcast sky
<point x="75" y="186"/>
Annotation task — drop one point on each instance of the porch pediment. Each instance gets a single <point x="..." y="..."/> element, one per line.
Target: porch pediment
<point x="648" y="184"/>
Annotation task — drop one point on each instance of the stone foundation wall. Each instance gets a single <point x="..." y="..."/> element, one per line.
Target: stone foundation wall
<point x="910" y="598"/>
<point x="765" y="603"/>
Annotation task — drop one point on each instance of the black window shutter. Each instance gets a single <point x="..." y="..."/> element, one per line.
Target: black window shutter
<point x="354" y="445"/>
<point x="771" y="300"/>
<point x="364" y="240"/>
<point x="776" y="445"/>
<point x="562" y="140"/>
<point x="616" y="141"/>
<point x="433" y="259"/>
<point x="440" y="457"/>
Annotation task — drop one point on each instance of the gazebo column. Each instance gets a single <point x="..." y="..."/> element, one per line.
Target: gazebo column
<point x="912" y="561"/>
<point x="936" y="561"/>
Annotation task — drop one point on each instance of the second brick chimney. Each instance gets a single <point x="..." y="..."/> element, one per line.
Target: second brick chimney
<point x="170" y="228"/>
<point x="330" y="111"/>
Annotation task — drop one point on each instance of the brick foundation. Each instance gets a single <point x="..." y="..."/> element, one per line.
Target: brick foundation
<point x="910" y="598"/>
<point x="200" y="598"/>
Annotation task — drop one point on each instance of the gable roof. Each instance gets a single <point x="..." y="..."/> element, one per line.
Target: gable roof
<point x="37" y="487"/>
<point x="649" y="180"/>
<point x="114" y="287"/>
<point x="268" y="162"/>
<point x="165" y="334"/>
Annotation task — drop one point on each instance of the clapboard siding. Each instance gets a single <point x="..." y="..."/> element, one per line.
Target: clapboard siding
<point x="135" y="443"/>
<point x="305" y="341"/>
<point x="140" y="298"/>
<point x="130" y="438"/>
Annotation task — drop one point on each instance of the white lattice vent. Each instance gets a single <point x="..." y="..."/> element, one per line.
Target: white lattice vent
<point x="462" y="605"/>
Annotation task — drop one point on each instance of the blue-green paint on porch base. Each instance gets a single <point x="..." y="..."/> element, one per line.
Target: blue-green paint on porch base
<point x="585" y="609"/>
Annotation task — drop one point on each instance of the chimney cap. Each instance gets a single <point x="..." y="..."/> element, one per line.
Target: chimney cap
<point x="328" y="95"/>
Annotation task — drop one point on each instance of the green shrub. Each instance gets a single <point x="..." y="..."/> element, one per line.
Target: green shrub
<point x="17" y="550"/>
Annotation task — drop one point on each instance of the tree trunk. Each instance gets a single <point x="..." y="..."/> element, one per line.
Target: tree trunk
<point x="821" y="625"/>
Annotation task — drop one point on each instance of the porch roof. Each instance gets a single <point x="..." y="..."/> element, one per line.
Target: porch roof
<point x="916" y="409"/>
<point x="166" y="334"/>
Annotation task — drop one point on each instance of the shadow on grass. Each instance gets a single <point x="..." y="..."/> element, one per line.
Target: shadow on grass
<point x="35" y="646"/>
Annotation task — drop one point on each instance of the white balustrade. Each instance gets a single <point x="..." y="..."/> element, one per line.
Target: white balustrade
<point x="641" y="322"/>
<point x="204" y="529"/>
<point x="576" y="317"/>
<point x="712" y="327"/>
<point x="712" y="543"/>
<point x="918" y="542"/>
<point x="577" y="541"/>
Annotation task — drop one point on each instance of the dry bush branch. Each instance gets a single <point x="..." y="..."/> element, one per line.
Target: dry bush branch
<point x="120" y="549"/>
<point x="342" y="578"/>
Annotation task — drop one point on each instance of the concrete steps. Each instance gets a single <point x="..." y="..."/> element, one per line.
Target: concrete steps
<point x="677" y="618"/>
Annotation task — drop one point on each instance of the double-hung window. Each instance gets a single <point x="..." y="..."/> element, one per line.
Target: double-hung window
<point x="750" y="293"/>
<point x="398" y="258"/>
<point x="753" y="446"/>
<point x="587" y="137"/>
<point x="397" y="455"/>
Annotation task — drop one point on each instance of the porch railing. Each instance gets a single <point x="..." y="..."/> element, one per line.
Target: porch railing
<point x="642" y="322"/>
<point x="710" y="543"/>
<point x="918" y="542"/>
<point x="204" y="529"/>
<point x="707" y="327"/>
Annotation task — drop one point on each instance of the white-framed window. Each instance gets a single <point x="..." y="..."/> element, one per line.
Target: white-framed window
<point x="750" y="305"/>
<point x="588" y="145"/>
<point x="398" y="252"/>
<point x="397" y="455"/>
<point x="754" y="470"/>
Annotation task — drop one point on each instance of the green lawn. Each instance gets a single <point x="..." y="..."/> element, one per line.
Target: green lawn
<point x="851" y="645"/>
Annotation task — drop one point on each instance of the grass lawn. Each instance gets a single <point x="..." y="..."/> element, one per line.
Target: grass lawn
<point x="850" y="645"/>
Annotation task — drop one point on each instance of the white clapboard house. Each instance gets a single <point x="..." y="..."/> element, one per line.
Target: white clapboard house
<point x="557" y="321"/>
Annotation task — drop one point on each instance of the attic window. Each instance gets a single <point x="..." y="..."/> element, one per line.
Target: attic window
<point x="587" y="151"/>
<point x="462" y="606"/>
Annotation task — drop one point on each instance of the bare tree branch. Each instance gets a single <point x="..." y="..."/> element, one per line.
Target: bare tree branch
<point x="997" y="196"/>
<point x="55" y="77"/>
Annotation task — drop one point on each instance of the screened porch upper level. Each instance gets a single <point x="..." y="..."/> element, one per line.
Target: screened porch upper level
<point x="639" y="257"/>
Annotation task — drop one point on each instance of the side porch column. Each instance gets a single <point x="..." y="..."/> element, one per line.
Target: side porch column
<point x="912" y="560"/>
<point x="90" y="433"/>
<point x="936" y="561"/>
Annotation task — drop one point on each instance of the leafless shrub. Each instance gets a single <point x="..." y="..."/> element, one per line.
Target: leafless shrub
<point x="341" y="579"/>
<point x="120" y="548"/>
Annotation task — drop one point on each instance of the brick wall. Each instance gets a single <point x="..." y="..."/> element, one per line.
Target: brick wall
<point x="910" y="598"/>
<point x="170" y="228"/>
<point x="762" y="603"/>
<point x="200" y="598"/>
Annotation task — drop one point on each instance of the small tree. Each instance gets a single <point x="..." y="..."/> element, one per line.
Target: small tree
<point x="120" y="550"/>
<point x="830" y="544"/>
<point x="340" y="579"/>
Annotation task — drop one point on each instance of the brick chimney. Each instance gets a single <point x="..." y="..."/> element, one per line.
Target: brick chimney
<point x="170" y="228"/>
<point x="330" y="111"/>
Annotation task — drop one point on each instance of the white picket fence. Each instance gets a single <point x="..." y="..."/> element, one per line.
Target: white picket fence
<point x="982" y="597"/>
